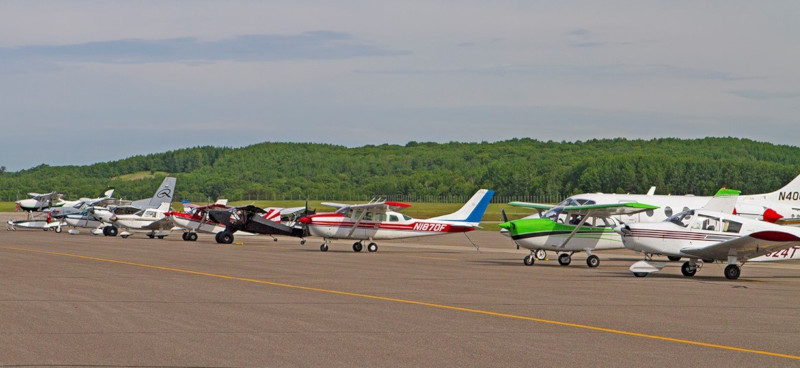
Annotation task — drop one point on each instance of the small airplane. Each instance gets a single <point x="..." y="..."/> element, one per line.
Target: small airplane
<point x="194" y="219"/>
<point x="379" y="220"/>
<point x="707" y="234"/>
<point x="154" y="220"/>
<point x="781" y="206"/>
<point x="570" y="228"/>
<point x="108" y="216"/>
<point x="255" y="220"/>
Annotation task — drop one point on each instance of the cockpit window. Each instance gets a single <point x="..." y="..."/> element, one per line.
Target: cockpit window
<point x="405" y="217"/>
<point x="681" y="218"/>
<point x="729" y="226"/>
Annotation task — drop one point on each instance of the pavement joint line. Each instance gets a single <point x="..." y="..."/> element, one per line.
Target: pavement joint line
<point x="414" y="302"/>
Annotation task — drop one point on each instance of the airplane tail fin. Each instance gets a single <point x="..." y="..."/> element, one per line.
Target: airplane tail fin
<point x="790" y="192"/>
<point x="164" y="194"/>
<point x="107" y="193"/>
<point x="472" y="212"/>
<point x="724" y="201"/>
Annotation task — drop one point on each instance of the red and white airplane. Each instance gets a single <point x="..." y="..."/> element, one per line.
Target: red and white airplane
<point x="379" y="220"/>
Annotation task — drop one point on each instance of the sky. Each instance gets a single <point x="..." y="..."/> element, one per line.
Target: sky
<point x="93" y="81"/>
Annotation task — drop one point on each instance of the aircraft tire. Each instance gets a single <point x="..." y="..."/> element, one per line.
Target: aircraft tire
<point x="112" y="230"/>
<point x="58" y="230"/>
<point x="160" y="237"/>
<point x="528" y="260"/>
<point x="216" y="237"/>
<point x="151" y="236"/>
<point x="674" y="258"/>
<point x="192" y="236"/>
<point x="593" y="261"/>
<point x="323" y="247"/>
<point x="357" y="247"/>
<point x="226" y="237"/>
<point x="105" y="231"/>
<point x="125" y="236"/>
<point x="687" y="270"/>
<point x="185" y="236"/>
<point x="640" y="274"/>
<point x="732" y="272"/>
<point x="564" y="259"/>
<point x="541" y="254"/>
<point x="372" y="247"/>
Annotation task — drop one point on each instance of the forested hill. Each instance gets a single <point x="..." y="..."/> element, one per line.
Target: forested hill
<point x="514" y="167"/>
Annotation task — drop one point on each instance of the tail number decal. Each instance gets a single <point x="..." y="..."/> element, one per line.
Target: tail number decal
<point x="788" y="196"/>
<point x="786" y="253"/>
<point x="421" y="226"/>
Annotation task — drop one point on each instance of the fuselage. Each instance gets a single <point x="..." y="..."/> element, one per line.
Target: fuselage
<point x="389" y="225"/>
<point x="550" y="234"/>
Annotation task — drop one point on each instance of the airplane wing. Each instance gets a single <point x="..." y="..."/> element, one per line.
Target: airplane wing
<point x="608" y="210"/>
<point x="537" y="206"/>
<point x="746" y="247"/>
<point x="160" y="224"/>
<point x="369" y="207"/>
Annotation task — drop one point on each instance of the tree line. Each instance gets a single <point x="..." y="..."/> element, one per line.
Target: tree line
<point x="514" y="167"/>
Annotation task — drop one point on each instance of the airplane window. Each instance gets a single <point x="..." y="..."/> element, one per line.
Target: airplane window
<point x="367" y="216"/>
<point x="668" y="211"/>
<point x="731" y="226"/>
<point x="380" y="217"/>
<point x="393" y="218"/>
<point x="686" y="208"/>
<point x="649" y="213"/>
<point x="406" y="217"/>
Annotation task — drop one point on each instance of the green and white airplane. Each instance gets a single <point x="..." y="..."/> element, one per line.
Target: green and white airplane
<point x="570" y="227"/>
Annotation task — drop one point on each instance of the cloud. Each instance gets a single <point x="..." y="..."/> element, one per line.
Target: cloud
<point x="764" y="95"/>
<point x="595" y="71"/>
<point x="315" y="45"/>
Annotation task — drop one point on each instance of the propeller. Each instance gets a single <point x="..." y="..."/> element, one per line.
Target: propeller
<point x="505" y="219"/>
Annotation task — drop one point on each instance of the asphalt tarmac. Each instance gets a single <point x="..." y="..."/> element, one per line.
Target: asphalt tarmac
<point x="84" y="300"/>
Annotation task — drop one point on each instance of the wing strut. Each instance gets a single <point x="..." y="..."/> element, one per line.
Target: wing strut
<point x="578" y="227"/>
<point x="355" y="225"/>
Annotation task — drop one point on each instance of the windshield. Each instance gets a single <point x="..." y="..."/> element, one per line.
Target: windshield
<point x="681" y="218"/>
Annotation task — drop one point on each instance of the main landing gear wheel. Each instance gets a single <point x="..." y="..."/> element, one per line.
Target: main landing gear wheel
<point x="732" y="272"/>
<point x="593" y="261"/>
<point x="323" y="247"/>
<point x="110" y="231"/>
<point x="540" y="254"/>
<point x="151" y="236"/>
<point x="226" y="237"/>
<point x="564" y="259"/>
<point x="372" y="247"/>
<point x="528" y="260"/>
<point x="216" y="237"/>
<point x="357" y="247"/>
<point x="192" y="237"/>
<point x="640" y="274"/>
<point x="58" y="230"/>
<point x="687" y="269"/>
<point x="125" y="236"/>
<point x="674" y="258"/>
<point x="161" y="236"/>
<point x="185" y="236"/>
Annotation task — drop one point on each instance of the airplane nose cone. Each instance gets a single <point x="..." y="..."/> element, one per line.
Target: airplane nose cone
<point x="113" y="218"/>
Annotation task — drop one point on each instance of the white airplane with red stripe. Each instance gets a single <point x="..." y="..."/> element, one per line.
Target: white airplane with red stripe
<point x="710" y="234"/>
<point x="381" y="221"/>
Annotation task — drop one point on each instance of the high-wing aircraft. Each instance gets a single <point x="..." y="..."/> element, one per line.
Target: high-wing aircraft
<point x="109" y="215"/>
<point x="705" y="235"/>
<point x="569" y="229"/>
<point x="194" y="219"/>
<point x="781" y="206"/>
<point x="379" y="220"/>
<point x="256" y="220"/>
<point x="39" y="202"/>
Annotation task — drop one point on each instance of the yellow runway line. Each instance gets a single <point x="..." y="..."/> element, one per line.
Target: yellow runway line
<point x="413" y="302"/>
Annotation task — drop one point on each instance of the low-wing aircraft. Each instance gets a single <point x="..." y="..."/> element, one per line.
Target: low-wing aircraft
<point x="781" y="206"/>
<point x="255" y="220"/>
<point x="705" y="235"/>
<point x="153" y="220"/>
<point x="570" y="228"/>
<point x="379" y="220"/>
<point x="108" y="216"/>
